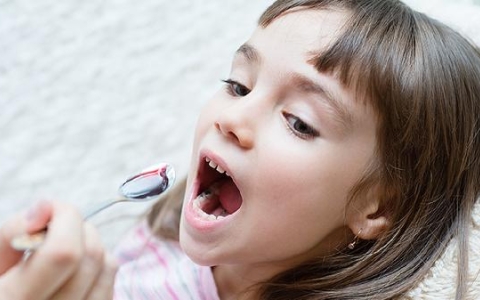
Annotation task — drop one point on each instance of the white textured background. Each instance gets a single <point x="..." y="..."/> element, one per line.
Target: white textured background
<point x="92" y="91"/>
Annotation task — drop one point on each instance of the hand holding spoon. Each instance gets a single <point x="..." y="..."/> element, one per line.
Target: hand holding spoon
<point x="145" y="186"/>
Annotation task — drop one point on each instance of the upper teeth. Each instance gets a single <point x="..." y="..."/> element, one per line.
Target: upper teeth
<point x="213" y="165"/>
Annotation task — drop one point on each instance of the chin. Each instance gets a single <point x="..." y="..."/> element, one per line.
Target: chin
<point x="196" y="252"/>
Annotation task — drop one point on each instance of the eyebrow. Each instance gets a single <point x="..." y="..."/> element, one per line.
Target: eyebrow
<point x="249" y="53"/>
<point x="305" y="84"/>
<point x="342" y="113"/>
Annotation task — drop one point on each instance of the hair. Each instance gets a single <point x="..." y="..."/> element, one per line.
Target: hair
<point x="423" y="80"/>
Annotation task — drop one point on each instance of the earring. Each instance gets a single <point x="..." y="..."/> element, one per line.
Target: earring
<point x="352" y="245"/>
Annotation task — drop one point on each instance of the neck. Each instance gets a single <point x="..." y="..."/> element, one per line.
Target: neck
<point x="240" y="281"/>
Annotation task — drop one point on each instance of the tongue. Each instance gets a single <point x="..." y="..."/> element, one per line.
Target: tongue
<point x="230" y="197"/>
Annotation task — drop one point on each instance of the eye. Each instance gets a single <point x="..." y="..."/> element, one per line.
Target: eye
<point x="236" y="89"/>
<point x="299" y="127"/>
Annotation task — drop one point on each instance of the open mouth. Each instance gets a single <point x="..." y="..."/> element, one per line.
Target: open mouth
<point x="217" y="194"/>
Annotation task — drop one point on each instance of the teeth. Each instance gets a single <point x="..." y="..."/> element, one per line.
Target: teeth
<point x="213" y="190"/>
<point x="209" y="217"/>
<point x="218" y="214"/>
<point x="213" y="165"/>
<point x="207" y="194"/>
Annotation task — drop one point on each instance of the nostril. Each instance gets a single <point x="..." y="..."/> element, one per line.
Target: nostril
<point x="221" y="128"/>
<point x="241" y="136"/>
<point x="217" y="125"/>
<point x="226" y="131"/>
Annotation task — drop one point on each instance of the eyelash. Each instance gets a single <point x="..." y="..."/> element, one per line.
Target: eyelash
<point x="305" y="132"/>
<point x="232" y="87"/>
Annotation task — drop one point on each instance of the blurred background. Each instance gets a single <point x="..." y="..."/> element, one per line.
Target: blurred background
<point x="93" y="91"/>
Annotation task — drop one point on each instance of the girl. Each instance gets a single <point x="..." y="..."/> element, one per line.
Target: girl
<point x="338" y="161"/>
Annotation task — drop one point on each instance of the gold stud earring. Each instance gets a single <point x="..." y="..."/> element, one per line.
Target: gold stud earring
<point x="352" y="245"/>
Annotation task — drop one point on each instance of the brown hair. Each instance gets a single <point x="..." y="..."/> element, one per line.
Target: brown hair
<point x="423" y="80"/>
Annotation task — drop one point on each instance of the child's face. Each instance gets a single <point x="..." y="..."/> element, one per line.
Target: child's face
<point x="294" y="141"/>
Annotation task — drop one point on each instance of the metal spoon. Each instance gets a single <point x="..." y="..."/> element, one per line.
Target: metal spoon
<point x="147" y="185"/>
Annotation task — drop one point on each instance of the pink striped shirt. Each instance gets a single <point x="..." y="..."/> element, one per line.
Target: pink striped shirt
<point x="151" y="268"/>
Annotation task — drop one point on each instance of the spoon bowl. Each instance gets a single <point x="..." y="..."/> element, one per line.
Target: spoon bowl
<point x="149" y="183"/>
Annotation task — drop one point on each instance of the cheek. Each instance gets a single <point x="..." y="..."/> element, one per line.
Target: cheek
<point x="296" y="209"/>
<point x="305" y="199"/>
<point x="205" y="121"/>
<point x="305" y="178"/>
<point x="208" y="116"/>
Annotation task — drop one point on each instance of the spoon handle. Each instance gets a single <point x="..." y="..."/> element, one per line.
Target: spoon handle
<point x="98" y="207"/>
<point x="30" y="242"/>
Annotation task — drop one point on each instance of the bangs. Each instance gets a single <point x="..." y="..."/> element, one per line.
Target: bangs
<point x="361" y="58"/>
<point x="375" y="68"/>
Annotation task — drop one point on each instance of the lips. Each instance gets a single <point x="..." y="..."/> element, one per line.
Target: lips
<point x="217" y="195"/>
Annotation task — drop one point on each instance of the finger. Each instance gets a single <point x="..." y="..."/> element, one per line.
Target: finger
<point x="38" y="216"/>
<point x="103" y="288"/>
<point x="30" y="221"/>
<point x="51" y="265"/>
<point x="78" y="286"/>
<point x="12" y="227"/>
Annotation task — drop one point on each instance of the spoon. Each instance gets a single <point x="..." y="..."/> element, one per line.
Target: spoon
<point x="147" y="185"/>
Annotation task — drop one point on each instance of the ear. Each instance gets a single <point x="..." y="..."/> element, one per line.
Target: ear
<point x="367" y="218"/>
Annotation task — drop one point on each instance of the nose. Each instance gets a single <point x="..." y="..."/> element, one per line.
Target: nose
<point x="237" y="124"/>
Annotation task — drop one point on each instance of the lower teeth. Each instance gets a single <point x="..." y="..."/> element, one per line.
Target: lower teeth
<point x="218" y="214"/>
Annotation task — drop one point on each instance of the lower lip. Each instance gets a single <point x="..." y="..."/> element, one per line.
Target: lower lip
<point x="199" y="224"/>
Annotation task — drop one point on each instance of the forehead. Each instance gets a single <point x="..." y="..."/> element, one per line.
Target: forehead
<point x="285" y="50"/>
<point x="302" y="30"/>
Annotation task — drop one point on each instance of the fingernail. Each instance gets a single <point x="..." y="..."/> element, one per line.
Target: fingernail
<point x="32" y="212"/>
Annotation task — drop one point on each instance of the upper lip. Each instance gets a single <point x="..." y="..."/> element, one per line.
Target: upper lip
<point x="216" y="159"/>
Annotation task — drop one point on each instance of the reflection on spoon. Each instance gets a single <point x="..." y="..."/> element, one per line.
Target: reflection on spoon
<point x="149" y="184"/>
